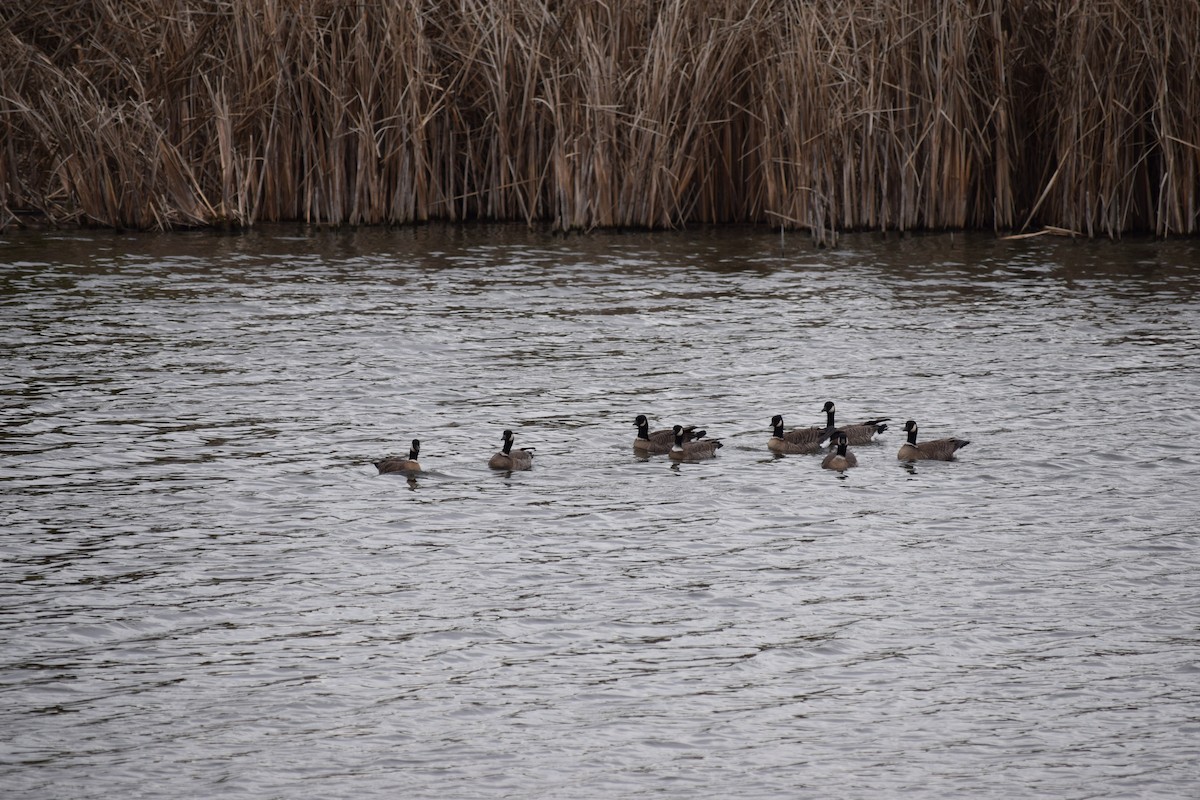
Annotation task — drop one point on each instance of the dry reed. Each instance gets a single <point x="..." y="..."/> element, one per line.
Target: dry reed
<point x="812" y="114"/>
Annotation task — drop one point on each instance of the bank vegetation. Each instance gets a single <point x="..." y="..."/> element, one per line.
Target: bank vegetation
<point x="822" y="115"/>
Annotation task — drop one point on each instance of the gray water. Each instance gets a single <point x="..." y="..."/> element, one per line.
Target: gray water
<point x="207" y="591"/>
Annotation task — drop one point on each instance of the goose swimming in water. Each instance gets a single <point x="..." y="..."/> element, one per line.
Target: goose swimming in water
<point x="933" y="450"/>
<point x="696" y="449"/>
<point x="659" y="442"/>
<point x="797" y="440"/>
<point x="860" y="433"/>
<point x="509" y="459"/>
<point x="397" y="464"/>
<point x="841" y="459"/>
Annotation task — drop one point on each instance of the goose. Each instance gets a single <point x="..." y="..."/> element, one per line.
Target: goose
<point x="659" y="442"/>
<point x="510" y="459"/>
<point x="862" y="433"/>
<point x="799" y="440"/>
<point x="841" y="460"/>
<point x="397" y="464"/>
<point x="696" y="449"/>
<point x="935" y="450"/>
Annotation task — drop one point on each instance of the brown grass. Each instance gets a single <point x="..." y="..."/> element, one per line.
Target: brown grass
<point x="809" y="114"/>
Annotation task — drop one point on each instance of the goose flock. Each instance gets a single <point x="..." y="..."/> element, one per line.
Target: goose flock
<point x="686" y="443"/>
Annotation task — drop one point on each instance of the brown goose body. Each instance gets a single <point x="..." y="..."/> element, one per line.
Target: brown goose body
<point x="509" y="459"/>
<point x="694" y="450"/>
<point x="396" y="464"/>
<point x="841" y="459"/>
<point x="933" y="450"/>
<point x="659" y="442"/>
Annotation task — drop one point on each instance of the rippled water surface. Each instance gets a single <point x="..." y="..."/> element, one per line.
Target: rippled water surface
<point x="207" y="590"/>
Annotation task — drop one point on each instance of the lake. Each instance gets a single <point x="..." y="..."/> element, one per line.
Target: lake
<point x="208" y="591"/>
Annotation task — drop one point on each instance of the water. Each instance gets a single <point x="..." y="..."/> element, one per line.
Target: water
<point x="207" y="591"/>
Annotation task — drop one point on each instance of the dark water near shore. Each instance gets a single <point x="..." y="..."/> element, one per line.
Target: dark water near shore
<point x="207" y="591"/>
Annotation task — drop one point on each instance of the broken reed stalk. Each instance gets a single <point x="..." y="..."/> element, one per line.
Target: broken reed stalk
<point x="823" y="115"/>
